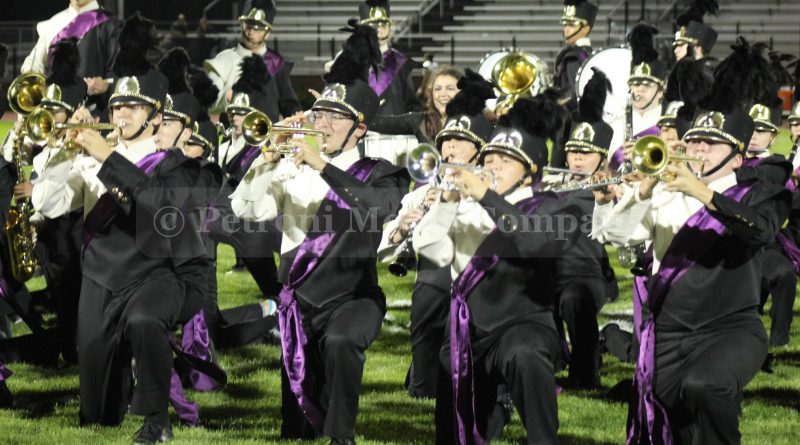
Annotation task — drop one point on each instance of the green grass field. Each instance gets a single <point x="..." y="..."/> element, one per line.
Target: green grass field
<point x="247" y="410"/>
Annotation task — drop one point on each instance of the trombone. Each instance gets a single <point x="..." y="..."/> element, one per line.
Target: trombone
<point x="42" y="127"/>
<point x="651" y="157"/>
<point x="257" y="130"/>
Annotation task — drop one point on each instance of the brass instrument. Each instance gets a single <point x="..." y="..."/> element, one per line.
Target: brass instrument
<point x="26" y="92"/>
<point x="19" y="230"/>
<point x="515" y="74"/>
<point x="257" y="130"/>
<point x="651" y="157"/>
<point x="40" y="125"/>
<point x="425" y="164"/>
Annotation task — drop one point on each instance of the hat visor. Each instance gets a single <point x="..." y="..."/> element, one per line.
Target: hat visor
<point x="507" y="150"/>
<point x="709" y="134"/>
<point x="339" y="107"/>
<point x="794" y="120"/>
<point x="458" y="133"/>
<point x="56" y="105"/>
<point x="765" y="126"/>
<point x="172" y="115"/>
<point x="584" y="147"/>
<point x="255" y="24"/>
<point x="667" y="121"/>
<point x="127" y="99"/>
<point x="235" y="109"/>
<point x="684" y="40"/>
<point x="574" y="21"/>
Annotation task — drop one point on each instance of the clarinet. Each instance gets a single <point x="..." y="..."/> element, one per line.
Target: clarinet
<point x="407" y="258"/>
<point x="793" y="151"/>
<point x="628" y="256"/>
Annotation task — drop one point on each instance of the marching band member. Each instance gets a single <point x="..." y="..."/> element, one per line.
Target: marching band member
<point x="577" y="21"/>
<point x="130" y="296"/>
<point x="694" y="39"/>
<point x="646" y="91"/>
<point x="224" y="69"/>
<point x="60" y="238"/>
<point x="459" y="142"/>
<point x="504" y="268"/>
<point x="392" y="80"/>
<point x="330" y="301"/>
<point x="585" y="278"/>
<point x="702" y="339"/>
<point x="96" y="32"/>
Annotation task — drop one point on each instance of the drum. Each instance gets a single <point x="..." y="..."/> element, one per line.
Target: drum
<point x="390" y="147"/>
<point x="615" y="63"/>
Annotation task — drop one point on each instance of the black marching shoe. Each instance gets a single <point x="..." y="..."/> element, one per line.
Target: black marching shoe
<point x="6" y="400"/>
<point x="343" y="442"/>
<point x="152" y="433"/>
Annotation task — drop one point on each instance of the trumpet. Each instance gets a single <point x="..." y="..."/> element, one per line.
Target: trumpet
<point x="257" y="130"/>
<point x="41" y="127"/>
<point x="651" y="157"/>
<point x="425" y="164"/>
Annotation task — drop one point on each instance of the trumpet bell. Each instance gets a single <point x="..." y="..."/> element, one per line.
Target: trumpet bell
<point x="514" y="73"/>
<point x="26" y="92"/>
<point x="256" y="128"/>
<point x="423" y="163"/>
<point x="650" y="155"/>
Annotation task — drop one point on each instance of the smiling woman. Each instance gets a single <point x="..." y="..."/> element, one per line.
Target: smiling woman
<point x="425" y="125"/>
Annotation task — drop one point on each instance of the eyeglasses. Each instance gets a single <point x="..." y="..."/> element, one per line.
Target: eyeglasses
<point x="331" y="116"/>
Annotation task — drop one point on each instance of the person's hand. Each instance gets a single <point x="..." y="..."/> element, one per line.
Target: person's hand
<point x="94" y="144"/>
<point x="431" y="197"/>
<point x="470" y="184"/>
<point x="604" y="195"/>
<point x="646" y="186"/>
<point x="23" y="190"/>
<point x="304" y="154"/>
<point x="627" y="150"/>
<point x="405" y="222"/>
<point x="271" y="156"/>
<point x="687" y="183"/>
<point x="95" y="85"/>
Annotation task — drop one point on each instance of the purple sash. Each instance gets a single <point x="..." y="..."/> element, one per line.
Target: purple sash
<point x="618" y="157"/>
<point x="196" y="341"/>
<point x="187" y="411"/>
<point x="245" y="158"/>
<point x="481" y="263"/>
<point x="293" y="337"/>
<point x="393" y="61"/>
<point x="790" y="184"/>
<point x="274" y="62"/>
<point x="640" y="293"/>
<point x="79" y="27"/>
<point x="699" y="234"/>
<point x="106" y="207"/>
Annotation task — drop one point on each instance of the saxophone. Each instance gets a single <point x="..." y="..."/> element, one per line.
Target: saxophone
<point x="19" y="230"/>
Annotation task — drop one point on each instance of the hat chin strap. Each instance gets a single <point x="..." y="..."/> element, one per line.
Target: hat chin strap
<point x="575" y="33"/>
<point x="144" y="125"/>
<point x="721" y="164"/>
<point x="517" y="185"/>
<point x="347" y="138"/>
<point x="175" y="142"/>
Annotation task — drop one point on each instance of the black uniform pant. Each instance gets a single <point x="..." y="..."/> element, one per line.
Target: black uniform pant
<point x="700" y="377"/>
<point x="779" y="279"/>
<point x="114" y="327"/>
<point x="339" y="334"/>
<point x="429" y="312"/>
<point x="579" y="302"/>
<point x="522" y="357"/>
